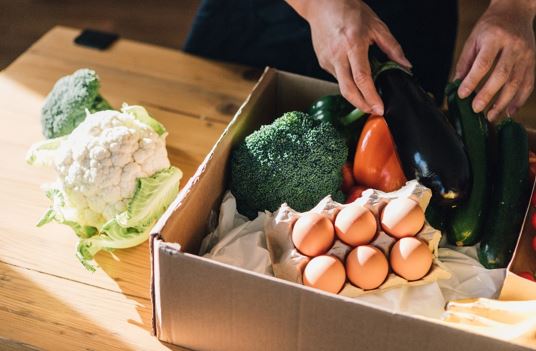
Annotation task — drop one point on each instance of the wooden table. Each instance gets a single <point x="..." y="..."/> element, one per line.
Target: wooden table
<point x="47" y="299"/>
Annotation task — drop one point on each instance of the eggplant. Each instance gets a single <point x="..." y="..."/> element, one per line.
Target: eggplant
<point x="427" y="144"/>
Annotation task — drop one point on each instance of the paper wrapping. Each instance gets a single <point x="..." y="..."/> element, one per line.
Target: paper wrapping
<point x="239" y="242"/>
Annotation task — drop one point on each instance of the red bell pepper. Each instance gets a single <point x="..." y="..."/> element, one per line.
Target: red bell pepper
<point x="376" y="163"/>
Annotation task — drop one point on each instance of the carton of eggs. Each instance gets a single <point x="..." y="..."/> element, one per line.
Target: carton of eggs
<point x="379" y="241"/>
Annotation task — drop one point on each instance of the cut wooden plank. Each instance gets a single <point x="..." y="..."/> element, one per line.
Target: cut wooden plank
<point x="54" y="313"/>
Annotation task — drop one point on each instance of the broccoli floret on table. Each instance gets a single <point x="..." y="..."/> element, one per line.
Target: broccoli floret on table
<point x="65" y="106"/>
<point x="295" y="159"/>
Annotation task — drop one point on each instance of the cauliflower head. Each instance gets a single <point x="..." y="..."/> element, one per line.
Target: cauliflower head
<point x="100" y="162"/>
<point x="114" y="179"/>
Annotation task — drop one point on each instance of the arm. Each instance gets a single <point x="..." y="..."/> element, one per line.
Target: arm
<point x="342" y="31"/>
<point x="501" y="44"/>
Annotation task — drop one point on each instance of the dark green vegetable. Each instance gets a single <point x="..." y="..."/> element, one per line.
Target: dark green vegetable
<point x="436" y="216"/>
<point x="336" y="110"/>
<point x="509" y="198"/>
<point x="427" y="144"/>
<point x="295" y="159"/>
<point x="466" y="220"/>
<point x="65" y="106"/>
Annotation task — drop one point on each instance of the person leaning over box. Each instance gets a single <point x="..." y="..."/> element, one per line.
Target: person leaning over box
<point x="415" y="33"/>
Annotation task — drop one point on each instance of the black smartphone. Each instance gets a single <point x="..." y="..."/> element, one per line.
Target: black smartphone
<point x="96" y="39"/>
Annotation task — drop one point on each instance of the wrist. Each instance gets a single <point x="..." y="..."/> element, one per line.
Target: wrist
<point x="527" y="7"/>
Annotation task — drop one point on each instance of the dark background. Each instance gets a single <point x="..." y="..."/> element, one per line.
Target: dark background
<point x="161" y="22"/>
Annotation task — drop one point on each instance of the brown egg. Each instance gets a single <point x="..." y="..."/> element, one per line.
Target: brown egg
<point x="355" y="225"/>
<point x="313" y="234"/>
<point x="410" y="258"/>
<point x="402" y="217"/>
<point x="366" y="267"/>
<point x="325" y="273"/>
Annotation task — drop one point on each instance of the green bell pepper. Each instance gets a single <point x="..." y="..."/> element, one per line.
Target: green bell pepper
<point x="336" y="110"/>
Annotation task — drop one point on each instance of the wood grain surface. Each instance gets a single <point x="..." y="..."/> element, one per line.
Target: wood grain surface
<point x="47" y="299"/>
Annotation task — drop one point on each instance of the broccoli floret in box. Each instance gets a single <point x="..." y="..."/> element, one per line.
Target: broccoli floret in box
<point x="295" y="159"/>
<point x="65" y="106"/>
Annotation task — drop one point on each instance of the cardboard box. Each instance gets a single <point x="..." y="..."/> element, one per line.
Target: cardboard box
<point x="205" y="305"/>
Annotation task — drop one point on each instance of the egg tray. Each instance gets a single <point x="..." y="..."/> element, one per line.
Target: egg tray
<point x="288" y="263"/>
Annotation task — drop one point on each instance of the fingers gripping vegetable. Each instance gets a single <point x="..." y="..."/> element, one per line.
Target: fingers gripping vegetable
<point x="114" y="179"/>
<point x="427" y="144"/>
<point x="376" y="163"/>
<point x="65" y="106"/>
<point x="295" y="159"/>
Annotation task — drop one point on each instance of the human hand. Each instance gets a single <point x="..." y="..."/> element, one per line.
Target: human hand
<point x="501" y="42"/>
<point x="342" y="32"/>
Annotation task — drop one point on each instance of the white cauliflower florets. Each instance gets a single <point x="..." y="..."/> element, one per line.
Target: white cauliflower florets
<point x="100" y="161"/>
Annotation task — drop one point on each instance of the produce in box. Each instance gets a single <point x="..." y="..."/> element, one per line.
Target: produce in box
<point x="449" y="156"/>
<point x="467" y="219"/>
<point x="337" y="111"/>
<point x="427" y="144"/>
<point x="509" y="198"/>
<point x="296" y="159"/>
<point x="376" y="163"/>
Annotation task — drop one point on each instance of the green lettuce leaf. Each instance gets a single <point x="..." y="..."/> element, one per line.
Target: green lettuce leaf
<point x="131" y="227"/>
<point x="113" y="236"/>
<point x="151" y="198"/>
<point x="141" y="114"/>
<point x="57" y="212"/>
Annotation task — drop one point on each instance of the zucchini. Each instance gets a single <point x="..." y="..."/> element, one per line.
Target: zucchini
<point x="510" y="196"/>
<point x="466" y="220"/>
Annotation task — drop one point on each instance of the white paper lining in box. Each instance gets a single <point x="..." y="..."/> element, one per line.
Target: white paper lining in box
<point x="229" y="243"/>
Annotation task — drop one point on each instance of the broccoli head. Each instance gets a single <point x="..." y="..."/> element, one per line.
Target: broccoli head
<point x="295" y="159"/>
<point x="65" y="106"/>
